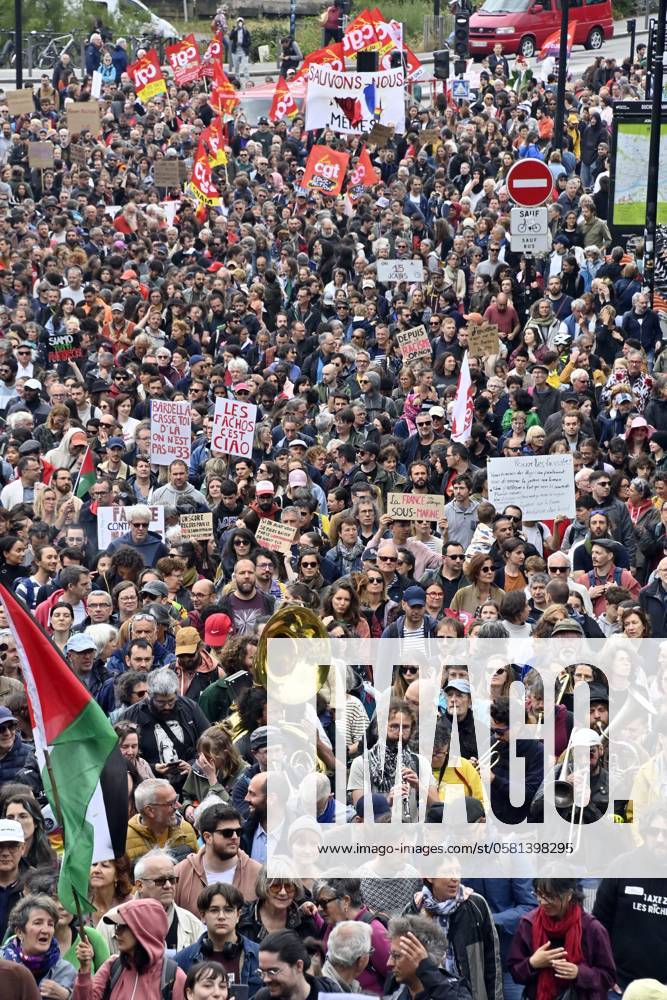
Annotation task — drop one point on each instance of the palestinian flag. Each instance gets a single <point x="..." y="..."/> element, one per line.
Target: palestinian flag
<point x="86" y="476"/>
<point x="75" y="739"/>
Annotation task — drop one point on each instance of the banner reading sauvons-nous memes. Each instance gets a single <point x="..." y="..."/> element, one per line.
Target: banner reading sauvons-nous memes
<point x="353" y="102"/>
<point x="527" y="819"/>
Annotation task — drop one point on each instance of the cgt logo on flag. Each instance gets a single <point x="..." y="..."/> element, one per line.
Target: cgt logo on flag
<point x="147" y="77"/>
<point x="283" y="104"/>
<point x="184" y="60"/>
<point x="325" y="170"/>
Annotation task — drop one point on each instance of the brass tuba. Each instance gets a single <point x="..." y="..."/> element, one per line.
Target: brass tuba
<point x="291" y="621"/>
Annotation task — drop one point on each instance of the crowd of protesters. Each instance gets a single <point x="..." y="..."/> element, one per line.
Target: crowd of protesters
<point x="272" y="297"/>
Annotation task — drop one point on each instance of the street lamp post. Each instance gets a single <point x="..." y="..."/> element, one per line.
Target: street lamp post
<point x="18" y="40"/>
<point x="559" y="118"/>
<point x="654" y="149"/>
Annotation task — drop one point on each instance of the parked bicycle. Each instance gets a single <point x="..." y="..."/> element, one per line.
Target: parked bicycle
<point x="55" y="48"/>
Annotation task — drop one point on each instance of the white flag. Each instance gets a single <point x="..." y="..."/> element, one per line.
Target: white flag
<point x="462" y="412"/>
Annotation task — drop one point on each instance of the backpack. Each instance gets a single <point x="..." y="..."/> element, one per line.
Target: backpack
<point x="30" y="588"/>
<point x="167" y="978"/>
<point x="617" y="576"/>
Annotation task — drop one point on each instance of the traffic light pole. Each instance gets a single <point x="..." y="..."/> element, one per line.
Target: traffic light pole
<point x="18" y="42"/>
<point x="654" y="149"/>
<point x="559" y="119"/>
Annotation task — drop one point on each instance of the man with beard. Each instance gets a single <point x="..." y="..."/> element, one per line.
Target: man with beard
<point x="170" y="726"/>
<point x="194" y="667"/>
<point x="157" y="822"/>
<point x="258" y="837"/>
<point x="264" y="505"/>
<point x="419" y="482"/>
<point x="245" y="604"/>
<point x="219" y="860"/>
<point x="416" y="777"/>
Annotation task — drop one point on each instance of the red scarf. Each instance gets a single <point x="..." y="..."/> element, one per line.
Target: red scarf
<point x="546" y="929"/>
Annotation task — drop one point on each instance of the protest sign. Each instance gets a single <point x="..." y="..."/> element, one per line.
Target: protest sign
<point x="414" y="343"/>
<point x="416" y="506"/>
<point x="380" y="135"/>
<point x="167" y="173"/>
<point x="400" y="270"/>
<point x="234" y="427"/>
<point x="352" y="102"/>
<point x="40" y="155"/>
<point x="428" y="136"/>
<point x="274" y="536"/>
<point x="483" y="340"/>
<point x="20" y="102"/>
<point x="78" y="154"/>
<point x="196" y="527"/>
<point x="83" y="117"/>
<point x="64" y="347"/>
<point x="170" y="431"/>
<point x="96" y="85"/>
<point x="112" y="522"/>
<point x="325" y="170"/>
<point x="541" y="485"/>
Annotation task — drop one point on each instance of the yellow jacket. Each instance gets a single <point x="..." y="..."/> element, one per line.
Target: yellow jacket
<point x="462" y="774"/>
<point x="141" y="839"/>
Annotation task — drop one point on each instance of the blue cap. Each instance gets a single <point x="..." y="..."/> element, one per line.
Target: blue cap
<point x="414" y="597"/>
<point x="80" y="643"/>
<point x="115" y="443"/>
<point x="463" y="687"/>
<point x="195" y="358"/>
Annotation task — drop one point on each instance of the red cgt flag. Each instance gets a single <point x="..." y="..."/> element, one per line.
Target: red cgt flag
<point x="325" y="170"/>
<point x="363" y="176"/>
<point x="330" y="55"/>
<point x="214" y="56"/>
<point x="283" y="104"/>
<point x="184" y="59"/>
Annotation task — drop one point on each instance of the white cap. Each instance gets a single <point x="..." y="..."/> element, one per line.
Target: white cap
<point x="11" y="832"/>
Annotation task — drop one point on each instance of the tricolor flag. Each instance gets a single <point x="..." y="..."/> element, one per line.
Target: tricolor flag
<point x="88" y="770"/>
<point x="86" y="476"/>
<point x="463" y="410"/>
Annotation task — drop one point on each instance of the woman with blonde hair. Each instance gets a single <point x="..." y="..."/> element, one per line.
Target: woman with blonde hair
<point x="481" y="573"/>
<point x="552" y="613"/>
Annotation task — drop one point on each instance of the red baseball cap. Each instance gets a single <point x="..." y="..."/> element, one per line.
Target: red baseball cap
<point x="217" y="629"/>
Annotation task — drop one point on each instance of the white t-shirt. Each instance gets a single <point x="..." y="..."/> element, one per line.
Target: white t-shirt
<point x="226" y="877"/>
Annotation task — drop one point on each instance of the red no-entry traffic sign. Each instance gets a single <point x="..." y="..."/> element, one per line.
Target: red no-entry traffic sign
<point x="529" y="183"/>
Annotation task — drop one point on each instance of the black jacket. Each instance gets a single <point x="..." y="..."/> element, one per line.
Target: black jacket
<point x="636" y="928"/>
<point x="186" y="715"/>
<point x="653" y="599"/>
<point x="438" y="985"/>
<point x="318" y="984"/>
<point x="531" y="751"/>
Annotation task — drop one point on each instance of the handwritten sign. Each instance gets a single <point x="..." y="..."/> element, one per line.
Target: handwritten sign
<point x="275" y="536"/>
<point x="234" y="427"/>
<point x="483" y="340"/>
<point x="171" y="433"/>
<point x="167" y="173"/>
<point x="415" y="506"/>
<point x="380" y="135"/>
<point x="196" y="527"/>
<point x="78" y="154"/>
<point x="40" y="155"/>
<point x="414" y="343"/>
<point x="112" y="523"/>
<point x="400" y="270"/>
<point x="83" y="117"/>
<point x="64" y="347"/>
<point x="541" y="485"/>
<point x="428" y="136"/>
<point x="20" y="102"/>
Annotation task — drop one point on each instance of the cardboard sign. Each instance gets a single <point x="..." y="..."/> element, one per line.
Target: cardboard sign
<point x="112" y="523"/>
<point x="171" y="434"/>
<point x="40" y="155"/>
<point x="234" y="427"/>
<point x="275" y="536"/>
<point x="400" y="270"/>
<point x="20" y="102"/>
<point x="167" y="173"/>
<point x="416" y="506"/>
<point x="541" y="485"/>
<point x="351" y="102"/>
<point x="380" y="135"/>
<point x="78" y="154"/>
<point x="83" y="117"/>
<point x="483" y="340"/>
<point x="196" y="527"/>
<point x="414" y="343"/>
<point x="64" y="347"/>
<point x="428" y="136"/>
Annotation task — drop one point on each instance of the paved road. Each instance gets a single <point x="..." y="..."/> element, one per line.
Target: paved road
<point x="617" y="48"/>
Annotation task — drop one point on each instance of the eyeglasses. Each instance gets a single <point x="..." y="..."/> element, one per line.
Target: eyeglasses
<point x="241" y="541"/>
<point x="162" y="880"/>
<point x="424" y="423"/>
<point x="559" y="569"/>
<point x="323" y="902"/>
<point x="388" y="559"/>
<point x="140" y="524"/>
<point x="275" y="888"/>
<point x="172" y="804"/>
<point x="409" y="670"/>
<point x="376" y="579"/>
<point x="228" y="831"/>
<point x="7" y="727"/>
<point x="458" y="558"/>
<point x="487" y="569"/>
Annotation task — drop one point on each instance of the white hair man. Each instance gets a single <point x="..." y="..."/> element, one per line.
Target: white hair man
<point x="348" y="953"/>
<point x="155" y="878"/>
<point x="146" y="542"/>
